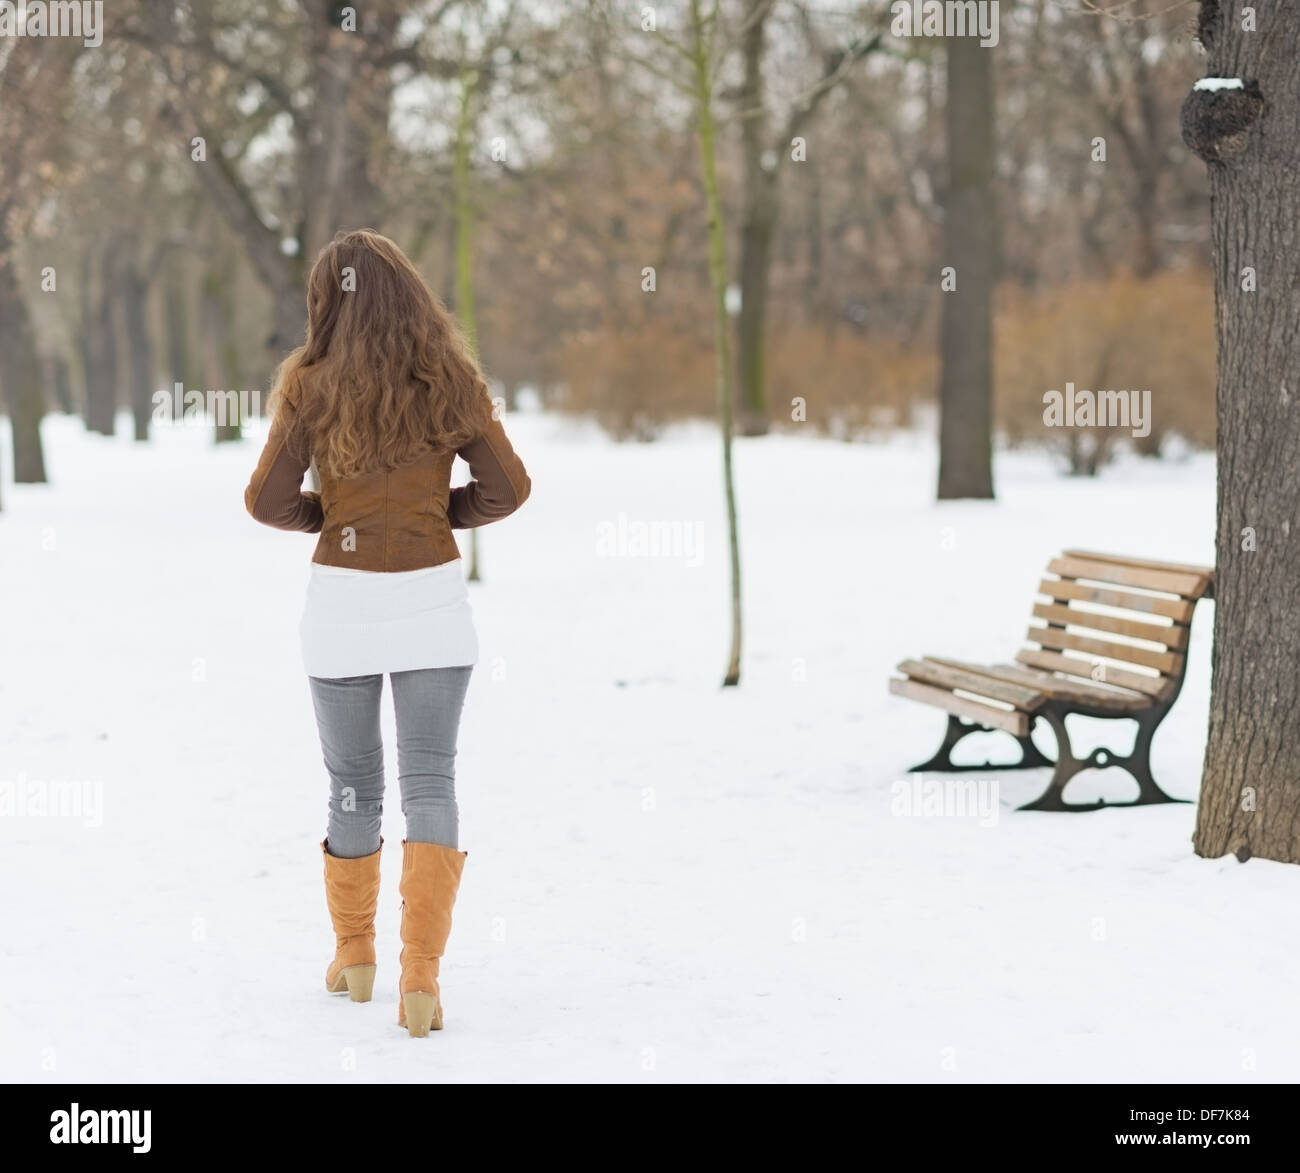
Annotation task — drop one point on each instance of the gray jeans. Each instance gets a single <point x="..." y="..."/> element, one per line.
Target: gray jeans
<point x="428" y="703"/>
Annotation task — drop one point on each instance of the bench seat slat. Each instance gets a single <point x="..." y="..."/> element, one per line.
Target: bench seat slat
<point x="1013" y="722"/>
<point x="931" y="671"/>
<point x="1171" y="635"/>
<point x="1153" y="686"/>
<point x="1062" y="688"/>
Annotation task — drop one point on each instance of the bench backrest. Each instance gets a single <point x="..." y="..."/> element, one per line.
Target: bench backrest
<point x="1148" y="605"/>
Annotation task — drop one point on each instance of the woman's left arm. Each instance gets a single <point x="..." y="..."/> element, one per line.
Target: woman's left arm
<point x="274" y="496"/>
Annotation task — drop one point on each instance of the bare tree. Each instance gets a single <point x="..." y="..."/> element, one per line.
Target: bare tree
<point x="691" y="66"/>
<point x="702" y="53"/>
<point x="1244" y="128"/>
<point x="970" y="254"/>
<point x="332" y="84"/>
<point x="765" y="156"/>
<point x="32" y="72"/>
<point x="466" y="305"/>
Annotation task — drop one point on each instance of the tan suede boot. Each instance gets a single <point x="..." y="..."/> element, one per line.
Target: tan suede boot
<point x="430" y="880"/>
<point x="352" y="893"/>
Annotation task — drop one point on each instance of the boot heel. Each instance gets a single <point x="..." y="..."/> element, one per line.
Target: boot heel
<point x="423" y="1013"/>
<point x="360" y="980"/>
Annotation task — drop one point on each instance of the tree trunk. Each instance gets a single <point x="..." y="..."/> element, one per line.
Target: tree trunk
<point x="969" y="247"/>
<point x="1147" y="261"/>
<point x="86" y="338"/>
<point x="106" y="418"/>
<point x="756" y="232"/>
<point x="20" y="375"/>
<point x="1250" y="788"/>
<point x="176" y="316"/>
<point x="231" y="427"/>
<point x="58" y="383"/>
<point x="812" y="283"/>
<point x="99" y="352"/>
<point x="466" y="309"/>
<point x="86" y="352"/>
<point x="135" y="299"/>
<point x="757" y="227"/>
<point x="721" y="326"/>
<point x="220" y="355"/>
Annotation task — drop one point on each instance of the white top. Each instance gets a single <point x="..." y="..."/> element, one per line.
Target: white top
<point x="365" y="622"/>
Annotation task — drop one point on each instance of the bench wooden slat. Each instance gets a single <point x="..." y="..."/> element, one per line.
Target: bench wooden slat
<point x="930" y="671"/>
<point x="1179" y="610"/>
<point x="1059" y="687"/>
<point x="1013" y="722"/>
<point x="1171" y="635"/>
<point x="1153" y="686"/>
<point x="1188" y="586"/>
<point x="1206" y="572"/>
<point x="1170" y="663"/>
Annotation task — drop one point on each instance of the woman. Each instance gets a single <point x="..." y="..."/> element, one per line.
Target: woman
<point x="384" y="395"/>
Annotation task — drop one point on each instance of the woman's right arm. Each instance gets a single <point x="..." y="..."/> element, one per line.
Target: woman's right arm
<point x="274" y="495"/>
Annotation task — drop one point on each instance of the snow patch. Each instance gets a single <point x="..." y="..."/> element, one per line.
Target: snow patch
<point x="1219" y="83"/>
<point x="701" y="884"/>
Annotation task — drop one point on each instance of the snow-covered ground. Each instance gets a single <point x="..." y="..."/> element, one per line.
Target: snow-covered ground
<point x="666" y="881"/>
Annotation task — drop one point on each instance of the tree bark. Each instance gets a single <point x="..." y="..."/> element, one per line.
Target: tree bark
<point x="135" y="298"/>
<point x="970" y="248"/>
<point x="756" y="232"/>
<point x="1147" y="262"/>
<point x="757" y="228"/>
<point x="176" y="314"/>
<point x="58" y="383"/>
<point x="220" y="354"/>
<point x="99" y="346"/>
<point x="466" y="309"/>
<point x="20" y="375"/>
<point x="814" y="309"/>
<point x="1250" y="787"/>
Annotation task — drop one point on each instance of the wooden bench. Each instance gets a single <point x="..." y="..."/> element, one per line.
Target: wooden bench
<point x="1075" y="665"/>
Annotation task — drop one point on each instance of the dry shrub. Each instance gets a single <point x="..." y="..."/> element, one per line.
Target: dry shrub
<point x="1122" y="333"/>
<point x="854" y="385"/>
<point x="635" y="381"/>
<point x="1100" y="335"/>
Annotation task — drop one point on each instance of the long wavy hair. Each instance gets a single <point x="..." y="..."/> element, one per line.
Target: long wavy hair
<point x="385" y="375"/>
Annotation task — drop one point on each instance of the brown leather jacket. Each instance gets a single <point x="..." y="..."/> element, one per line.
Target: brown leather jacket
<point x="393" y="521"/>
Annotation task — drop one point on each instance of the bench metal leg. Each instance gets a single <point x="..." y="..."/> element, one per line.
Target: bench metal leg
<point x="1137" y="763"/>
<point x="1031" y="757"/>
